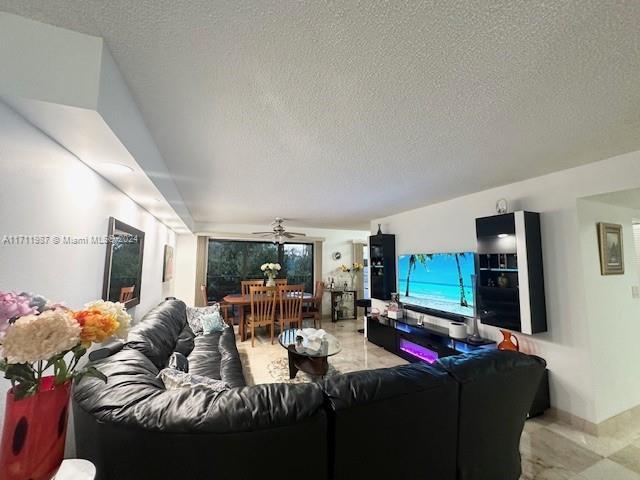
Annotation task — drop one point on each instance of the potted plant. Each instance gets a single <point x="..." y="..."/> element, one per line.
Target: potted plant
<point x="271" y="272"/>
<point x="41" y="345"/>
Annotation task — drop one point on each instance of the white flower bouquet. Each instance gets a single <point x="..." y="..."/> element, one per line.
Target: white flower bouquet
<point x="271" y="269"/>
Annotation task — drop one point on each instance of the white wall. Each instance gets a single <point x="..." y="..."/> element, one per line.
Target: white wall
<point x="44" y="190"/>
<point x="334" y="240"/>
<point x="185" y="268"/>
<point x="613" y="314"/>
<point x="450" y="226"/>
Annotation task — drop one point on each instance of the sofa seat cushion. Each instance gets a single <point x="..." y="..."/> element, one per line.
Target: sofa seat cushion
<point x="215" y="355"/>
<point x="205" y="357"/>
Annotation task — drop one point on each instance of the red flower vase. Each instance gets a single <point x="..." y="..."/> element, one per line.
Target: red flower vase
<point x="34" y="433"/>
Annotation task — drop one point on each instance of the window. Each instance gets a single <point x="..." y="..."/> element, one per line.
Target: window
<point x="231" y="261"/>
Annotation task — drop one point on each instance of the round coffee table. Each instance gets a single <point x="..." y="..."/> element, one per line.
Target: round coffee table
<point x="308" y="360"/>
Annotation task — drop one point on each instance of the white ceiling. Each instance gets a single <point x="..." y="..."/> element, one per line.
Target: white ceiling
<point x="330" y="114"/>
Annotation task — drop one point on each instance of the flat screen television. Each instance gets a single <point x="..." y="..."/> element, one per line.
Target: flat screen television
<point x="439" y="283"/>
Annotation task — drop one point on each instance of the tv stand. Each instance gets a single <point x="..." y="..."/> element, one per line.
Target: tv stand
<point x="413" y="342"/>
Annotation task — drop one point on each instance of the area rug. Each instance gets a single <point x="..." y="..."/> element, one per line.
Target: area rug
<point x="279" y="371"/>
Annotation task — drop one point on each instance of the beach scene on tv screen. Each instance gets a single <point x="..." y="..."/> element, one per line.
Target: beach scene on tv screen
<point x="439" y="281"/>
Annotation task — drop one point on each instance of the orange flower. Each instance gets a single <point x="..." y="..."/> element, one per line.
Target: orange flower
<point x="96" y="325"/>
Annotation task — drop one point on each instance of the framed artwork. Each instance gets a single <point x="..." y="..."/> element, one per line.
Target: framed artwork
<point x="611" y="249"/>
<point x="167" y="271"/>
<point x="123" y="264"/>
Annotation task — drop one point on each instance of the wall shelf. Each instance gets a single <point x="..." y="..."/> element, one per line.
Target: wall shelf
<point x="510" y="276"/>
<point x="382" y="259"/>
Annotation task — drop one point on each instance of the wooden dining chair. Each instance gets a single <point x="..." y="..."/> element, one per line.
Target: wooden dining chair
<point x="313" y="308"/>
<point x="290" y="305"/>
<point x="245" y="285"/>
<point x="263" y="308"/>
<point x="126" y="293"/>
<point x="281" y="281"/>
<point x="224" y="307"/>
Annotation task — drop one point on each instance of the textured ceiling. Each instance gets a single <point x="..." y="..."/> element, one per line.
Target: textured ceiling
<point x="333" y="113"/>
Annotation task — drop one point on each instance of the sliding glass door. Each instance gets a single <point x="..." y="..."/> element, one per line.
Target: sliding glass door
<point x="231" y="261"/>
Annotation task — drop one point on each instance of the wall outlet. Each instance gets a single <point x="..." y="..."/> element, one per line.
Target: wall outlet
<point x="635" y="291"/>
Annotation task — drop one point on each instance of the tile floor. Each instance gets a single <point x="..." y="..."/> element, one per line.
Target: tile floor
<point x="550" y="450"/>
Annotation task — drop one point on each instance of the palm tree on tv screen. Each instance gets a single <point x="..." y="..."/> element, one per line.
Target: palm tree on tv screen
<point x="413" y="260"/>
<point x="463" y="298"/>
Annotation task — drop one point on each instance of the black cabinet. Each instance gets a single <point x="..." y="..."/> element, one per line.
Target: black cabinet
<point x="380" y="333"/>
<point x="510" y="285"/>
<point x="382" y="265"/>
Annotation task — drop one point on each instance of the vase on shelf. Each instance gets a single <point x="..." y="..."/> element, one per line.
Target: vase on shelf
<point x="509" y="341"/>
<point x="503" y="281"/>
<point x="34" y="432"/>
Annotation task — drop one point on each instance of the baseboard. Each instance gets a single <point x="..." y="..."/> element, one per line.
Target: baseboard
<point x="608" y="428"/>
<point x="628" y="418"/>
<point x="572" y="420"/>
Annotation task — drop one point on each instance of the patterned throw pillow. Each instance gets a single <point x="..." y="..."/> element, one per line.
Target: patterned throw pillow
<point x="194" y="317"/>
<point x="212" y="322"/>
<point x="174" y="380"/>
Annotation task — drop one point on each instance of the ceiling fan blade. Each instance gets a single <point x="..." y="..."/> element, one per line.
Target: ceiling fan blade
<point x="261" y="233"/>
<point x="297" y="234"/>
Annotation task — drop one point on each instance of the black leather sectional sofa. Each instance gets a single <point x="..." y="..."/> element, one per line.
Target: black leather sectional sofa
<point x="459" y="419"/>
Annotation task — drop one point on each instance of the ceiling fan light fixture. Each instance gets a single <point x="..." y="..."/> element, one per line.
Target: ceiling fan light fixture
<point x="279" y="234"/>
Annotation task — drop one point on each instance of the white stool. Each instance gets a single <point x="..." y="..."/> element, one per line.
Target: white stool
<point x="76" y="469"/>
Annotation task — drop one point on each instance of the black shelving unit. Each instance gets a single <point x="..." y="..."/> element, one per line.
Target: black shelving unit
<point x="382" y="265"/>
<point x="510" y="290"/>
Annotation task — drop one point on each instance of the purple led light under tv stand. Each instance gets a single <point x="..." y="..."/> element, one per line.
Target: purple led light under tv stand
<point x="418" y="351"/>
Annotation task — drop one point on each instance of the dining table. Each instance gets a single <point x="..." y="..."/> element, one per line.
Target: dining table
<point x="240" y="302"/>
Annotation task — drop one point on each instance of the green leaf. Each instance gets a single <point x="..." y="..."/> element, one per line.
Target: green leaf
<point x="24" y="390"/>
<point x="91" y="372"/>
<point x="61" y="371"/>
<point x="23" y="377"/>
<point x="78" y="350"/>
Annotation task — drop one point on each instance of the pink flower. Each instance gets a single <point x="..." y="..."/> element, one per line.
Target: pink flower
<point x="13" y="306"/>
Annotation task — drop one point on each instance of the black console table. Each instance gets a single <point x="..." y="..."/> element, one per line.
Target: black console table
<point x="413" y="342"/>
<point x="429" y="342"/>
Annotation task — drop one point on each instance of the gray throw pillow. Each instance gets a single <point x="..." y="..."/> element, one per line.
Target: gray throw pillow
<point x="175" y="380"/>
<point x="194" y="317"/>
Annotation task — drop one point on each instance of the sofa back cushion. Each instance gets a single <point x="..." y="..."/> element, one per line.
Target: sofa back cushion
<point x="496" y="392"/>
<point x="407" y="414"/>
<point x="156" y="335"/>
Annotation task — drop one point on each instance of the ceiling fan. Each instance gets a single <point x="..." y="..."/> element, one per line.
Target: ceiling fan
<point x="279" y="233"/>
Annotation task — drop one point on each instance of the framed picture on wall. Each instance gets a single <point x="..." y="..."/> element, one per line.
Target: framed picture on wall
<point x="611" y="249"/>
<point x="167" y="271"/>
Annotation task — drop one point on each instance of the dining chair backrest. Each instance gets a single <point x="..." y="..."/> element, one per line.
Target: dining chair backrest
<point x="263" y="304"/>
<point x="291" y="301"/>
<point x="126" y="293"/>
<point x="247" y="284"/>
<point x="281" y="281"/>
<point x="319" y="291"/>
